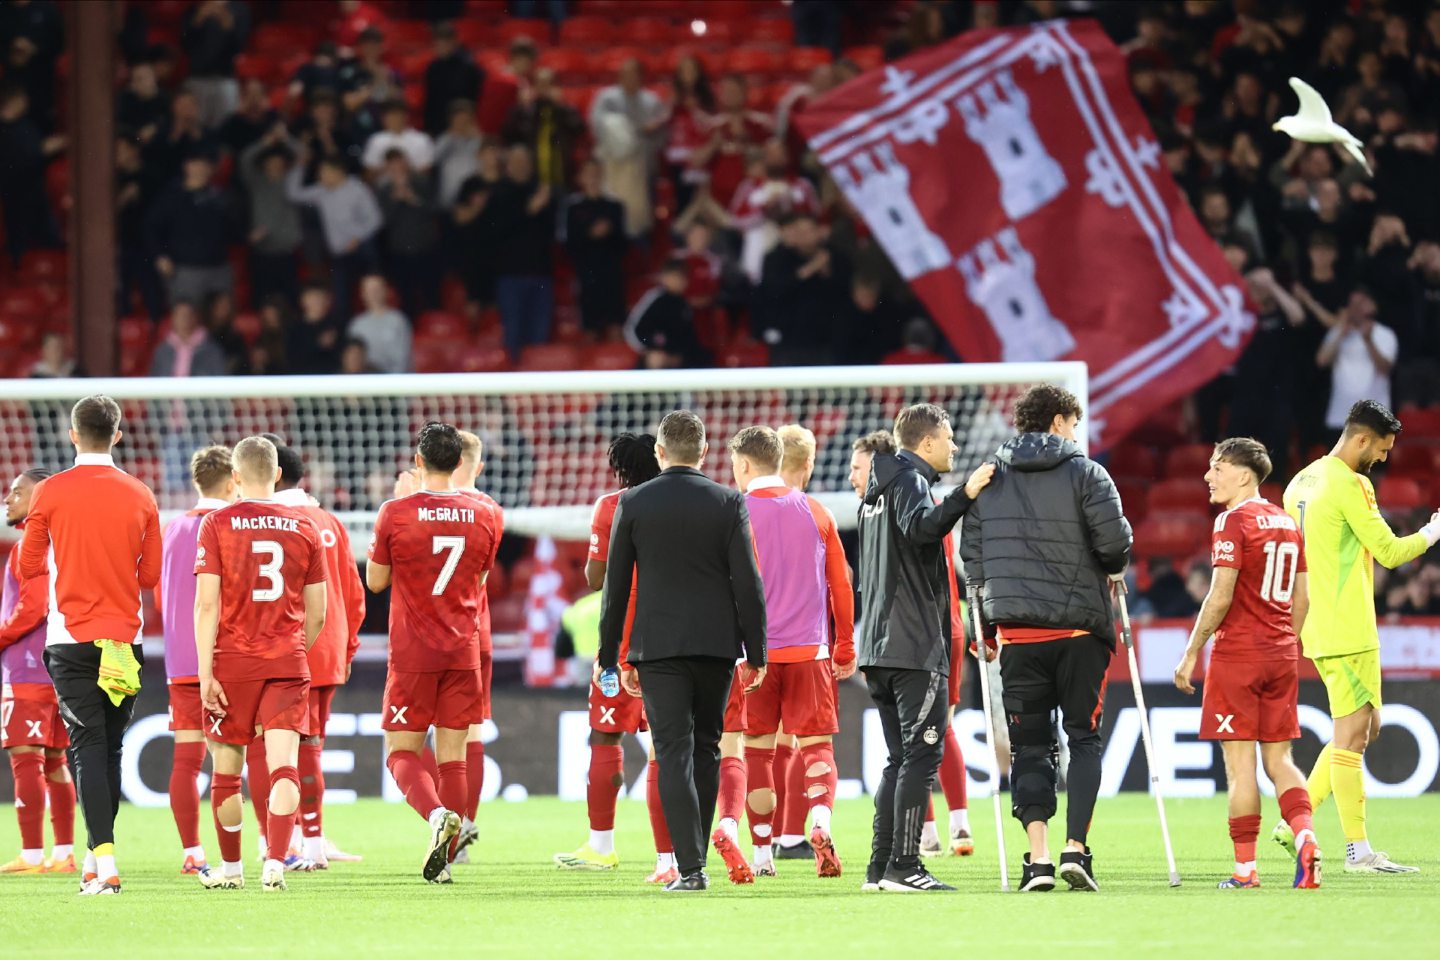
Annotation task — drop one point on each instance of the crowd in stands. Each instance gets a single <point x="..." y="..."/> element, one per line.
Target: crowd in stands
<point x="390" y="186"/>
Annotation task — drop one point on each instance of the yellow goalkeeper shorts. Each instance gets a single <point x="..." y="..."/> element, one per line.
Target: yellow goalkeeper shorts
<point x="1351" y="681"/>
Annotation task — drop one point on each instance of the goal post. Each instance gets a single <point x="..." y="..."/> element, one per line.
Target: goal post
<point x="545" y="434"/>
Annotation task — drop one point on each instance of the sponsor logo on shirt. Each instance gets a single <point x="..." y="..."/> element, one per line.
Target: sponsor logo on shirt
<point x="1224" y="550"/>
<point x="200" y="557"/>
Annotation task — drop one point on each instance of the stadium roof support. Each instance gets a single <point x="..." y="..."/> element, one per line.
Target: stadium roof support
<point x="92" y="184"/>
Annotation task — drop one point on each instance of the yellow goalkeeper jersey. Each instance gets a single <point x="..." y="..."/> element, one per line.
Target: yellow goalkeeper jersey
<point x="1344" y="533"/>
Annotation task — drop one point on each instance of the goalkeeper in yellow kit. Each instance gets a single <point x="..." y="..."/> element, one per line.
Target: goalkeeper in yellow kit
<point x="1334" y="503"/>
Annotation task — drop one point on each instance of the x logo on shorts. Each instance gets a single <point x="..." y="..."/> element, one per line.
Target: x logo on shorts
<point x="397" y="714"/>
<point x="1224" y="723"/>
<point x="607" y="715"/>
<point x="215" y="725"/>
<point x="34" y="726"/>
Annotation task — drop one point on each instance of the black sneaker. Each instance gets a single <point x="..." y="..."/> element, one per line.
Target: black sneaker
<point x="690" y="883"/>
<point x="914" y="879"/>
<point x="798" y="851"/>
<point x="874" y="873"/>
<point x="1078" y="869"/>
<point x="1036" y="877"/>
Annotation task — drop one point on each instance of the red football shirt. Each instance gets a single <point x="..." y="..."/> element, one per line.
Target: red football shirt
<point x="265" y="556"/>
<point x="602" y="521"/>
<point x="437" y="545"/>
<point x="1263" y="542"/>
<point x="482" y="621"/>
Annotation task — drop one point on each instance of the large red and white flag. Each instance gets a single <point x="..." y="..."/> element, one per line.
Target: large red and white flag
<point x="1015" y="183"/>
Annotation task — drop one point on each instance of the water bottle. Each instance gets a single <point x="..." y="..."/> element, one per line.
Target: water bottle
<point x="610" y="682"/>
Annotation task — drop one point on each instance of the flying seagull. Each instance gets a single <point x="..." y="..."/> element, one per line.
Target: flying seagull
<point x="1312" y="123"/>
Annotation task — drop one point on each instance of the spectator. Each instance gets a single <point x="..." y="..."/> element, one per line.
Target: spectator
<point x="32" y="37"/>
<point x="820" y="82"/>
<point x="29" y="222"/>
<point x="412" y="234"/>
<point x="769" y="192"/>
<point x="214" y="32"/>
<point x="399" y="135"/>
<point x="143" y="106"/>
<point x="180" y="135"/>
<point x="918" y="344"/>
<point x="190" y="228"/>
<point x="354" y="358"/>
<point x="1417" y="378"/>
<point x="320" y="72"/>
<point x="870" y="326"/>
<point x="219" y="320"/>
<point x="384" y="330"/>
<point x="595" y="240"/>
<point x="733" y="131"/>
<point x="660" y="327"/>
<point x="452" y="75"/>
<point x="187" y="350"/>
<point x="135" y="190"/>
<point x="312" y="345"/>
<point x="350" y="218"/>
<point x="803" y="288"/>
<point x="548" y="126"/>
<point x="705" y="270"/>
<point x="326" y="132"/>
<point x="624" y="119"/>
<point x="1262" y="403"/>
<point x="251" y="120"/>
<point x="457" y="152"/>
<point x="524" y="285"/>
<point x="688" y="113"/>
<point x="56" y="360"/>
<point x="267" y="353"/>
<point x="500" y="92"/>
<point x="275" y="230"/>
<point x="1360" y="353"/>
<point x="367" y="82"/>
<point x="356" y="17"/>
<point x="477" y="228"/>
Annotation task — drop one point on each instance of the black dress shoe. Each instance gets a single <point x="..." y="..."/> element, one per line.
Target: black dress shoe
<point x="690" y="883"/>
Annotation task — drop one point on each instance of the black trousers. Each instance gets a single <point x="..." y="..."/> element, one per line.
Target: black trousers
<point x="913" y="705"/>
<point x="685" y="703"/>
<point x="1038" y="678"/>
<point x="97" y="731"/>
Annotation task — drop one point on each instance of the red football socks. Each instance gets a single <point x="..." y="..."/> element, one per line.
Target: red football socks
<point x="312" y="789"/>
<point x="607" y="764"/>
<point x="29" y="772"/>
<point x="952" y="772"/>
<point x="62" y="803"/>
<point x="731" y="804"/>
<point x="658" y="828"/>
<point x="279" y="826"/>
<point x="257" y="771"/>
<point x="760" y="774"/>
<point x="427" y="757"/>
<point x="1243" y="831"/>
<point x="185" y="791"/>
<point x="475" y="772"/>
<point x="820" y="784"/>
<point x="452" y="786"/>
<point x="414" y="781"/>
<point x="1295" y="808"/>
<point x="795" y="809"/>
<point x="223" y="786"/>
<point x="780" y="777"/>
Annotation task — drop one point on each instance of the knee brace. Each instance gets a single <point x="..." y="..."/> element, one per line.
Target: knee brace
<point x="1034" y="765"/>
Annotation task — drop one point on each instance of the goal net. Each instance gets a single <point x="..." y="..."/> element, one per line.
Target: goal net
<point x="545" y="434"/>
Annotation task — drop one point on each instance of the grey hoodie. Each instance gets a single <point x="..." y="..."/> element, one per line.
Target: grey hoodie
<point x="1044" y="536"/>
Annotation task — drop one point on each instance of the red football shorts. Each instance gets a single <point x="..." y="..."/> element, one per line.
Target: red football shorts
<point x="801" y="695"/>
<point x="317" y="713"/>
<point x="1251" y="701"/>
<point x="186" y="712"/>
<point x="32" y="722"/>
<point x="269" y="704"/>
<point x="487" y="673"/>
<point x="735" y="708"/>
<point x="452" y="699"/>
<point x="621" y="713"/>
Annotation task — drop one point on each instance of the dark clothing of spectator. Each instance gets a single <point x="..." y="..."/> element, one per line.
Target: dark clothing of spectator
<point x="29" y="222"/>
<point x="275" y="230"/>
<point x="167" y="150"/>
<point x="240" y="130"/>
<point x="136" y="190"/>
<point x="448" y="79"/>
<point x="524" y="284"/>
<point x="313" y="347"/>
<point x="599" y="259"/>
<point x="478" y="238"/>
<point x="796" y="314"/>
<point x="137" y="113"/>
<point x="868" y="335"/>
<point x="1260" y="405"/>
<point x="551" y="129"/>
<point x="211" y="45"/>
<point x="42" y="27"/>
<point x="312" y="76"/>
<point x="193" y="228"/>
<point x="663" y="321"/>
<point x="412" y="241"/>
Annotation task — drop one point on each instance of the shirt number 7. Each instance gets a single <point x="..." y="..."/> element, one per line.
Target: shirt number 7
<point x="456" y="546"/>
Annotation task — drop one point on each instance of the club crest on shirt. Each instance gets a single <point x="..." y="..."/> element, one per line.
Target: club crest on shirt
<point x="931" y="736"/>
<point x="200" y="557"/>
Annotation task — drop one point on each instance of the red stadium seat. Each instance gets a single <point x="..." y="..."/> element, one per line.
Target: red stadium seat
<point x="657" y="32"/>
<point x="805" y="59"/>
<point x="258" y="67"/>
<point x="438" y="325"/>
<point x="1188" y="462"/>
<point x="1178" y="536"/>
<point x="719" y="34"/>
<point x="1401" y="493"/>
<point x="13" y="335"/>
<point x="284" y="37"/>
<point x="23" y="304"/>
<point x="610" y="356"/>
<point x="746" y="354"/>
<point x="772" y="30"/>
<point x="248" y="326"/>
<point x="412" y="65"/>
<point x="1178" y="494"/>
<point x="44" y="267"/>
<point x="607" y="63"/>
<point x="474" y="32"/>
<point x="589" y="32"/>
<point x="537" y="30"/>
<point x="868" y="57"/>
<point x="754" y="62"/>
<point x="1423" y="422"/>
<point x="549" y="356"/>
<point x="482" y="359"/>
<point x="1134" y="460"/>
<point x="434" y="356"/>
<point x="570" y="65"/>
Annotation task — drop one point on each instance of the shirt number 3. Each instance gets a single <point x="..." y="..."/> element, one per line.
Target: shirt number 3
<point x="269" y="571"/>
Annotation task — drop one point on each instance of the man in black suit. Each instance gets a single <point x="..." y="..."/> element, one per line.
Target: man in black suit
<point x="699" y="607"/>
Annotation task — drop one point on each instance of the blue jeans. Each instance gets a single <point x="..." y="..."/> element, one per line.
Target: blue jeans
<point x="526" y="307"/>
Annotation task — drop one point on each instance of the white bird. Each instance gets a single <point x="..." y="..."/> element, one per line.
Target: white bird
<point x="1312" y="123"/>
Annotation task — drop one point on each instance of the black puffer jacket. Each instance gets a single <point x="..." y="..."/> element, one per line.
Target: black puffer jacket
<point x="904" y="590"/>
<point x="1043" y="537"/>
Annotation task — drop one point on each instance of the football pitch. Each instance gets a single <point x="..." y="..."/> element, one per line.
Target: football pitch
<point x="511" y="902"/>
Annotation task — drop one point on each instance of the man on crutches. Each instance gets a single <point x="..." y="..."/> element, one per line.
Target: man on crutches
<point x="1041" y="548"/>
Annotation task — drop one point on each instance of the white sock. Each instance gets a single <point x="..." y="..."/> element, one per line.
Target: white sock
<point x="731" y="828"/>
<point x="602" y="841"/>
<point x="764" y="854"/>
<point x="821" y="815"/>
<point x="1304" y="835"/>
<point x="236" y="869"/>
<point x="315" y="848"/>
<point x="664" y="861"/>
<point x="1244" y="869"/>
<point x="790" y="839"/>
<point x="1039" y="860"/>
<point x="960" y="820"/>
<point x="928" y="834"/>
<point x="263" y="849"/>
<point x="1357" y="850"/>
<point x="437" y="812"/>
<point x="105" y="867"/>
<point x="33" y="857"/>
<point x="90" y="861"/>
<point x="196" y="853"/>
<point x="62" y="850"/>
<point x="297" y="837"/>
<point x="273" y="865"/>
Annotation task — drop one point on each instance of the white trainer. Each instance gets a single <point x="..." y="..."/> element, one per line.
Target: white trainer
<point x="444" y="826"/>
<point x="213" y="879"/>
<point x="1377" y="862"/>
<point x="272" y="878"/>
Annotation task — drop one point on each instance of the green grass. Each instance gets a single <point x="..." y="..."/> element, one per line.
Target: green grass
<point x="513" y="903"/>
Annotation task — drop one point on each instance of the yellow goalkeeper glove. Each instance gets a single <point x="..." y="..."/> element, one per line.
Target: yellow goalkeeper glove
<point x="119" y="670"/>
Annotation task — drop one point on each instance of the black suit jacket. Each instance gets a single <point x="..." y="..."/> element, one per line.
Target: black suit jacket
<point x="698" y="593"/>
